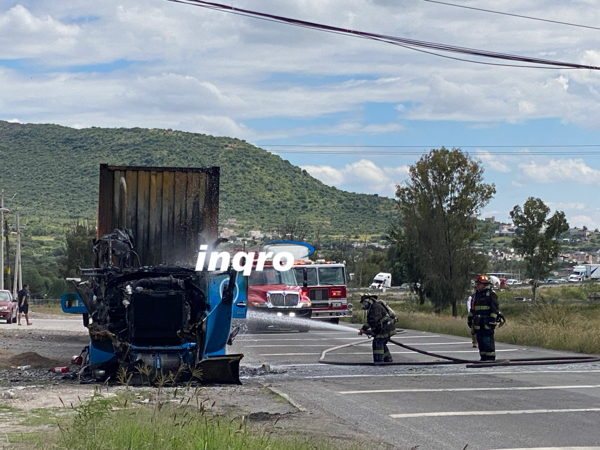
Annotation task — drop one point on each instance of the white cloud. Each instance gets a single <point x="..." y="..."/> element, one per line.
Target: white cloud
<point x="493" y="162"/>
<point x="573" y="206"/>
<point x="582" y="220"/>
<point x="560" y="170"/>
<point x="361" y="176"/>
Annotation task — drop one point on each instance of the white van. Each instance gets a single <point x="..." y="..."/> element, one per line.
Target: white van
<point x="382" y="280"/>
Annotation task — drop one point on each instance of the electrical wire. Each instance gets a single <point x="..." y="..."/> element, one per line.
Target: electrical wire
<point x="411" y="44"/>
<point x="414" y="150"/>
<point x="513" y="15"/>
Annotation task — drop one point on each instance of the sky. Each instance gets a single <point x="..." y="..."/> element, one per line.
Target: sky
<point x="355" y="113"/>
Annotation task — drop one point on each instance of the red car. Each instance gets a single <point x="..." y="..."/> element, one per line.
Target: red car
<point x="277" y="300"/>
<point x="8" y="307"/>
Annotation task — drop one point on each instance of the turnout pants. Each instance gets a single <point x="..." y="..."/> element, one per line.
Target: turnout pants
<point x="487" y="346"/>
<point x="381" y="352"/>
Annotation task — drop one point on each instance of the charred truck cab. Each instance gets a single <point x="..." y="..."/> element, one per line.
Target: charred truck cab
<point x="149" y="313"/>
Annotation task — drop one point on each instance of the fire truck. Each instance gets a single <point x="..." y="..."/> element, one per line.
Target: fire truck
<point x="325" y="281"/>
<point x="326" y="285"/>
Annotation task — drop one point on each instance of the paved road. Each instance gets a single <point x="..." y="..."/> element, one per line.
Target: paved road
<point x="434" y="407"/>
<point x="59" y="323"/>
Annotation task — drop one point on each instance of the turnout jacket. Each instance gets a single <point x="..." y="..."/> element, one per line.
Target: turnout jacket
<point x="379" y="322"/>
<point x="484" y="310"/>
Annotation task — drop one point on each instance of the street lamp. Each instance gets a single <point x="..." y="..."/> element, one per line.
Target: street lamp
<point x="2" y="211"/>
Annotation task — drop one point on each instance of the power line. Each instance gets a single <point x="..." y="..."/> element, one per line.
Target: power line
<point x="514" y="15"/>
<point x="411" y="44"/>
<point x="382" y="150"/>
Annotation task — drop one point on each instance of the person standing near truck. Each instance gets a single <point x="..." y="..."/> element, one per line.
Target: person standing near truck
<point x="483" y="317"/>
<point x="380" y="324"/>
<point x="23" y="299"/>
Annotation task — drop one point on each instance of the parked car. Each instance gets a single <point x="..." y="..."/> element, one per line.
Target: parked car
<point x="552" y="281"/>
<point x="8" y="307"/>
<point x="512" y="282"/>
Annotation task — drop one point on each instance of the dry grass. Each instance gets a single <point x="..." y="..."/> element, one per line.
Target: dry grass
<point x="556" y="325"/>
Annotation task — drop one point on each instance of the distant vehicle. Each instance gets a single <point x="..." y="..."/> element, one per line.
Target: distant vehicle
<point x="8" y="307"/>
<point x="575" y="278"/>
<point x="512" y="282"/>
<point x="496" y="282"/>
<point x="382" y="280"/>
<point x="552" y="281"/>
<point x="587" y="271"/>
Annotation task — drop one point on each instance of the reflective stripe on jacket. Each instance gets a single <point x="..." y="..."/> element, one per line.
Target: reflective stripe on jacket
<point x="484" y="309"/>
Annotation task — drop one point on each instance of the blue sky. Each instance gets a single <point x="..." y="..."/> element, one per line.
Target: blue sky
<point x="354" y="113"/>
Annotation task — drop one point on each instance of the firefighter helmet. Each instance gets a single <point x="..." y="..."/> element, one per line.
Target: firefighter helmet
<point x="366" y="300"/>
<point x="482" y="279"/>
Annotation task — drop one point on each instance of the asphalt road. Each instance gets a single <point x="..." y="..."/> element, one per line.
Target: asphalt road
<point x="433" y="407"/>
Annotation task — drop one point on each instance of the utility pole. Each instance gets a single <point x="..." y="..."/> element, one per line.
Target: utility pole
<point x="2" y="211"/>
<point x="18" y="277"/>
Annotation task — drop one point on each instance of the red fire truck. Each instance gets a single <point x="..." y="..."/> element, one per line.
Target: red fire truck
<point x="326" y="285"/>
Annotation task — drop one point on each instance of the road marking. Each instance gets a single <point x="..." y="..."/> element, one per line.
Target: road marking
<point x="519" y="388"/>
<point x="492" y="413"/>
<point x="551" y="448"/>
<point x="456" y="374"/>
<point x="366" y="342"/>
<point x="248" y="338"/>
<point x="370" y="353"/>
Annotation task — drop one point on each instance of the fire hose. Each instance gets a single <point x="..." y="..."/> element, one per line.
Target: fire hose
<point x="449" y="360"/>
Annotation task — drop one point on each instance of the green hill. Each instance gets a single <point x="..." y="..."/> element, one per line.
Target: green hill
<point x="53" y="171"/>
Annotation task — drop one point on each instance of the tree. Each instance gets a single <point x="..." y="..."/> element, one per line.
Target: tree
<point x="80" y="249"/>
<point x="538" y="240"/>
<point x="439" y="206"/>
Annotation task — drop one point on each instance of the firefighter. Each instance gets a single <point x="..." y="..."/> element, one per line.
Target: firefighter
<point x="483" y="317"/>
<point x="380" y="325"/>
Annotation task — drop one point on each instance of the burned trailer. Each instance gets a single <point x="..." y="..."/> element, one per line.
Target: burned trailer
<point x="151" y="314"/>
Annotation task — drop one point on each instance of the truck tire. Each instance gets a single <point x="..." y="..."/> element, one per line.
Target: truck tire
<point x="336" y="320"/>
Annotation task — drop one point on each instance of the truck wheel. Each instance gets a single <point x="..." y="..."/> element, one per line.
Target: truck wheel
<point x="303" y="329"/>
<point x="9" y="320"/>
<point x="336" y="320"/>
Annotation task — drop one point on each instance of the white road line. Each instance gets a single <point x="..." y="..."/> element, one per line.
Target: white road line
<point x="370" y="353"/>
<point x="519" y="388"/>
<point x="492" y="413"/>
<point x="551" y="448"/>
<point x="324" y="344"/>
<point x="250" y="339"/>
<point x="456" y="374"/>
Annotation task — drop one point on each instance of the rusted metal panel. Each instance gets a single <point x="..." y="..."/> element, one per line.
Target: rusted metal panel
<point x="170" y="210"/>
<point x="143" y="214"/>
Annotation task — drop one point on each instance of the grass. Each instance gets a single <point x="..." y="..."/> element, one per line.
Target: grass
<point x="169" y="423"/>
<point x="47" y="308"/>
<point x="562" y="318"/>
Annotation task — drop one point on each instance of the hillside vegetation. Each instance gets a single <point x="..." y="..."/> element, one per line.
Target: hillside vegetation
<point x="53" y="170"/>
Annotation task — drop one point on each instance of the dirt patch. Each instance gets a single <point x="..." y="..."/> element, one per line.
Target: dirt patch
<point x="33" y="360"/>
